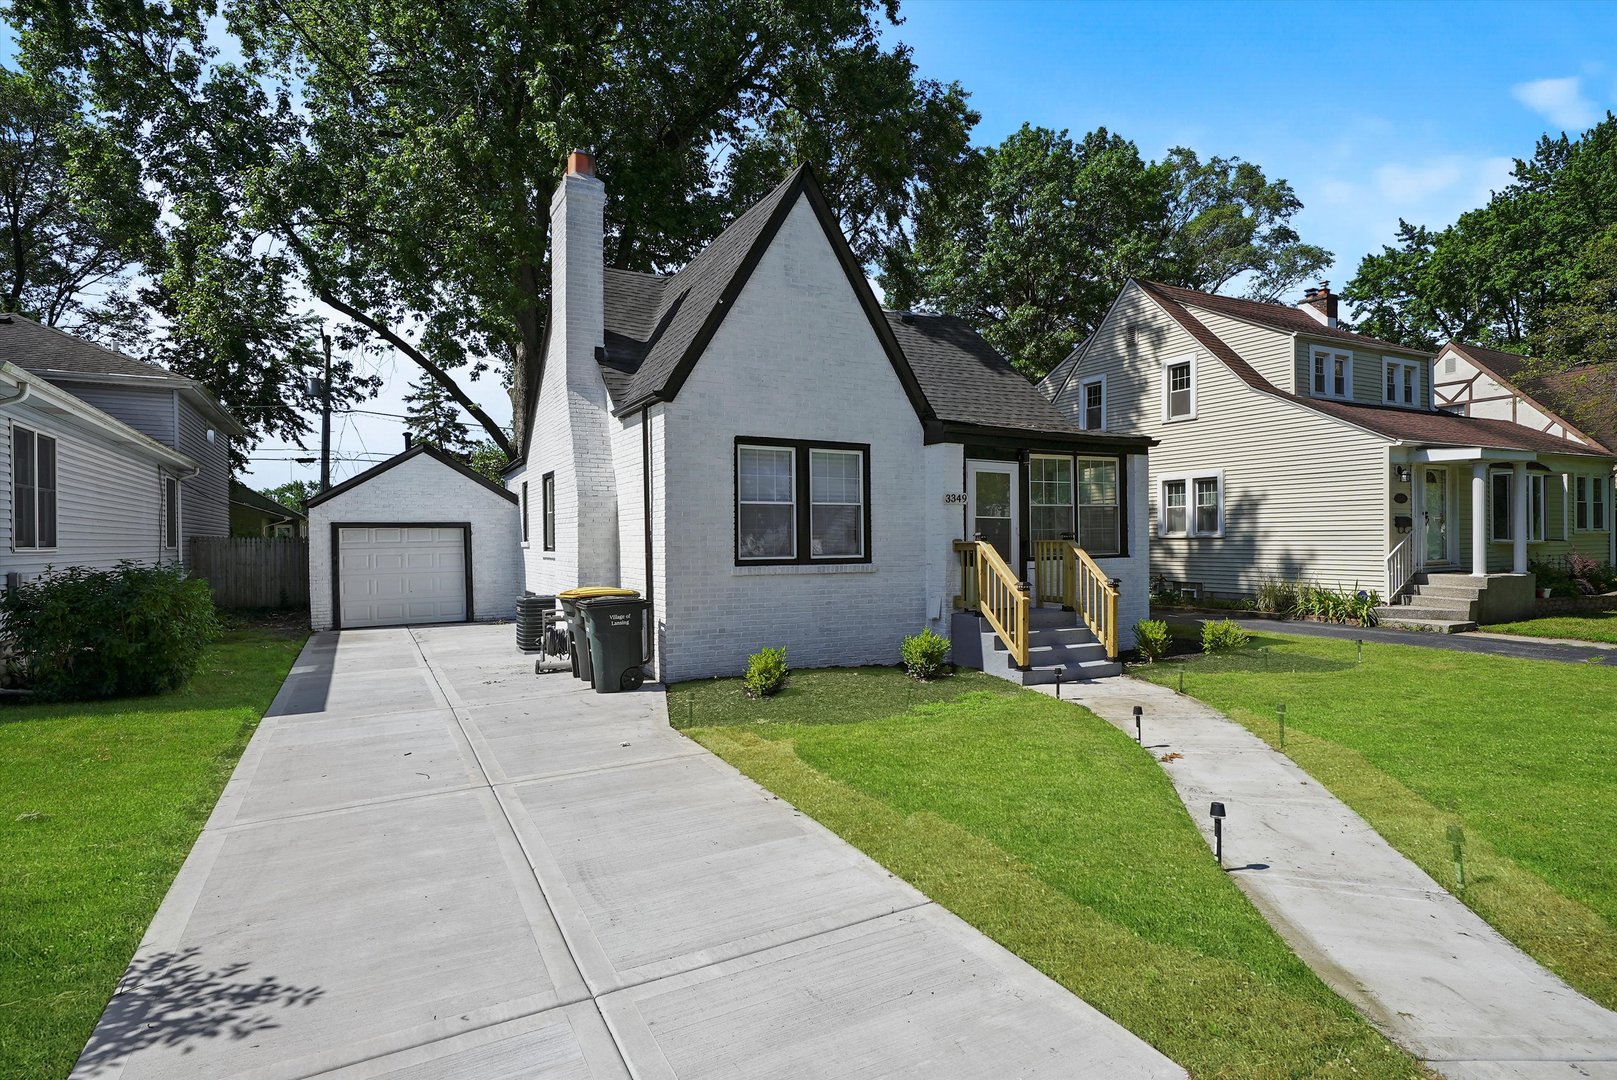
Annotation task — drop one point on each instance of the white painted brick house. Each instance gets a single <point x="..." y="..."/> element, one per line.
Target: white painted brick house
<point x="773" y="460"/>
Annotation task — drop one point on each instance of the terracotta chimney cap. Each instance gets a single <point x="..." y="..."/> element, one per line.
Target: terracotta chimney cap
<point x="581" y="163"/>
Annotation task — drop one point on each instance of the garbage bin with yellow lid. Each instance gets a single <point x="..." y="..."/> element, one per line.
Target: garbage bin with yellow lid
<point x="568" y="599"/>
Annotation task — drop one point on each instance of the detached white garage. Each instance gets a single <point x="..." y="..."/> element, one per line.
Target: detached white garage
<point x="418" y="539"/>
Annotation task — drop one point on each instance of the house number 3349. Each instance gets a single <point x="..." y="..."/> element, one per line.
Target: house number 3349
<point x="954" y="498"/>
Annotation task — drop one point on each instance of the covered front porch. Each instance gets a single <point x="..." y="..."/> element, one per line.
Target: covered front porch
<point x="1489" y="515"/>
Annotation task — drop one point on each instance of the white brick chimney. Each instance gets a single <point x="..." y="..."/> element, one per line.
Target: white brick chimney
<point x="577" y="263"/>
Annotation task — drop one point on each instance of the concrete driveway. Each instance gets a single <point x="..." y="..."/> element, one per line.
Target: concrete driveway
<point x="432" y="863"/>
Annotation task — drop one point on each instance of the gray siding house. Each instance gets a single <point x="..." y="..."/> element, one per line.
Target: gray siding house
<point x="772" y="459"/>
<point x="105" y="457"/>
<point x="1293" y="448"/>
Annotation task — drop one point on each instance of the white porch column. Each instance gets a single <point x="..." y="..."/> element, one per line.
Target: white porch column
<point x="1518" y="517"/>
<point x="1417" y="513"/>
<point x="1479" y="518"/>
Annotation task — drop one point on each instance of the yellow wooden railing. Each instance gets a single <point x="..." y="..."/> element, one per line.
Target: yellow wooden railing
<point x="988" y="586"/>
<point x="1066" y="574"/>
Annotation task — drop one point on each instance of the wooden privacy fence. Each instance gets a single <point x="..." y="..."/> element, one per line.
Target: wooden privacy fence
<point x="249" y="572"/>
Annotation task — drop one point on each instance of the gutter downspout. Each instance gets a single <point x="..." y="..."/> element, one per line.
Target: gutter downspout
<point x="645" y="485"/>
<point x="24" y="392"/>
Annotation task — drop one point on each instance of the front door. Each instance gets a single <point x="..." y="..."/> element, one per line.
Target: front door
<point x="1437" y="513"/>
<point x="991" y="505"/>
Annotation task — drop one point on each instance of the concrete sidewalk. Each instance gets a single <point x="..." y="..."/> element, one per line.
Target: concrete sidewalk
<point x="431" y="863"/>
<point x="1419" y="964"/>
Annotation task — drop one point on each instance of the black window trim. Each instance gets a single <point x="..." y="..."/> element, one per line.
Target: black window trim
<point x="802" y="508"/>
<point x="524" y="513"/>
<point x="547" y="495"/>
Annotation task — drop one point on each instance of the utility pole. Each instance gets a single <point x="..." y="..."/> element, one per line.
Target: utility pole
<point x="325" y="417"/>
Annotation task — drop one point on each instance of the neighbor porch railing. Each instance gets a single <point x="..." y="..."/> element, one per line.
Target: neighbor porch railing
<point x="1066" y="574"/>
<point x="988" y="586"/>
<point x="1402" y="565"/>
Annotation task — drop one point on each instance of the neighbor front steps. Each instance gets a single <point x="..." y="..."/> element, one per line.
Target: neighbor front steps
<point x="1439" y="603"/>
<point x="1056" y="638"/>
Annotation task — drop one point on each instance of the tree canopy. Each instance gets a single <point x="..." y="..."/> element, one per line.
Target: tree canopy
<point x="1034" y="237"/>
<point x="396" y="161"/>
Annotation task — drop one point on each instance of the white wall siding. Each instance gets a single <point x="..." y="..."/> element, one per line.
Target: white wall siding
<point x="1304" y="495"/>
<point x="109" y="498"/>
<point x="425" y="490"/>
<point x="945" y="523"/>
<point x="205" y="504"/>
<point x="1271" y="352"/>
<point x="796" y="358"/>
<point x="627" y="452"/>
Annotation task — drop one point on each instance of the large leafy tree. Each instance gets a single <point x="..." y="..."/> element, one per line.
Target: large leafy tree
<point x="1034" y="237"/>
<point x="1504" y="274"/>
<point x="395" y="160"/>
<point x="63" y="183"/>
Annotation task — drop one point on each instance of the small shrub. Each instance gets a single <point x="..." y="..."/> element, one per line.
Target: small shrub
<point x="1222" y="635"/>
<point x="1275" y="597"/>
<point x="766" y="673"/>
<point x="1151" y="639"/>
<point x="80" y="634"/>
<point x="924" y="654"/>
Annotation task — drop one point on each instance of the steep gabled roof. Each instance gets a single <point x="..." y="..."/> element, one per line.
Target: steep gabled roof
<point x="1282" y="317"/>
<point x="1557" y="393"/>
<point x="1403" y="425"/>
<point x="399" y="459"/>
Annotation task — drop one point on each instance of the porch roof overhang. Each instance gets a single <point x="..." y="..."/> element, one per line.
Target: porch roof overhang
<point x="945" y="431"/>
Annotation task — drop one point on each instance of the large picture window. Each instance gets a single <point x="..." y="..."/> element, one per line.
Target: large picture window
<point x="33" y="490"/>
<point x="801" y="502"/>
<point x="1191" y="505"/>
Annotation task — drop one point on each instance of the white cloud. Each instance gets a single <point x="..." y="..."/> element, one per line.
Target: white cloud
<point x="1560" y="101"/>
<point x="1398" y="183"/>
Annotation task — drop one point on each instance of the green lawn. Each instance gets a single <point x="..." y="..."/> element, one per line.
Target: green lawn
<point x="99" y="804"/>
<point x="1522" y="754"/>
<point x="1597" y="626"/>
<point x="1056" y="835"/>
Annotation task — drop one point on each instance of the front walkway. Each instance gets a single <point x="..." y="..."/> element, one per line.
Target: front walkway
<point x="1419" y="964"/>
<point x="431" y="863"/>
<point x="1522" y="648"/>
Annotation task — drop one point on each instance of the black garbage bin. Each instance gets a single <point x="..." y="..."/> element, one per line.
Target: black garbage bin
<point x="569" y="600"/>
<point x="615" y="629"/>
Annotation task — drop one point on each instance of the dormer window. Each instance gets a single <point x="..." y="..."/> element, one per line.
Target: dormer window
<point x="1332" y="374"/>
<point x="1400" y="382"/>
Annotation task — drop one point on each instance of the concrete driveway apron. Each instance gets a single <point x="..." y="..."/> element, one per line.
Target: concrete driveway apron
<point x="431" y="863"/>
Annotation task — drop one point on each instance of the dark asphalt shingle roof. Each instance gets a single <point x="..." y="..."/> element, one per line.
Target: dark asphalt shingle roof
<point x="45" y="350"/>
<point x="1580" y="395"/>
<point x="1407" y="425"/>
<point x="243" y="495"/>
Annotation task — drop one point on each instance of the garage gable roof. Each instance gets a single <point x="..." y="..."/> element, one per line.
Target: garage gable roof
<point x="399" y="459"/>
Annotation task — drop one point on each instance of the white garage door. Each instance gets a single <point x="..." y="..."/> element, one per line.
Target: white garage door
<point x="389" y="575"/>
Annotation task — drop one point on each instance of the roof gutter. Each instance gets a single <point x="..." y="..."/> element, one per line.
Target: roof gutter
<point x="25" y="390"/>
<point x="195" y="392"/>
<point x="90" y="416"/>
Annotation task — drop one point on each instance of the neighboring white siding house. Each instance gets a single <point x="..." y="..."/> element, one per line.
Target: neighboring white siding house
<point x="770" y="458"/>
<point x="412" y="533"/>
<point x="101" y="503"/>
<point x="1292" y="448"/>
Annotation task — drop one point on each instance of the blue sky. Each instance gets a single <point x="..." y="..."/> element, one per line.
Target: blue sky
<point x="1372" y="111"/>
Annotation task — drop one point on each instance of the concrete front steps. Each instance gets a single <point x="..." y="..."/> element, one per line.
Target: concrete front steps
<point x="1437" y="603"/>
<point x="1056" y="639"/>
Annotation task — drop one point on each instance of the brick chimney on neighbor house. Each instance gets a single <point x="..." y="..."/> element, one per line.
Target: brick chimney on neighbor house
<point x="578" y="422"/>
<point x="1320" y="303"/>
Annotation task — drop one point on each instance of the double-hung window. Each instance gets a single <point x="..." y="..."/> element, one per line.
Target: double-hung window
<point x="1331" y="373"/>
<point x="1050" y="496"/>
<point x="1590" y="503"/>
<point x="1401" y="382"/>
<point x="547" y="497"/>
<point x="1094" y="399"/>
<point x="1099" y="518"/>
<point x="171" y="512"/>
<point x="801" y="502"/>
<point x="1502" y="513"/>
<point x="33" y="490"/>
<point x="1179" y="390"/>
<point x="1191" y="505"/>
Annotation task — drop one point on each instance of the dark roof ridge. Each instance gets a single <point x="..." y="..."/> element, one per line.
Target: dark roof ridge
<point x="400" y="458"/>
<point x="1285" y="318"/>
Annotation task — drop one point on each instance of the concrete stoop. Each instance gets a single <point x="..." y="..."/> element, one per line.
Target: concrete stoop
<point x="1438" y="603"/>
<point x="1057" y="639"/>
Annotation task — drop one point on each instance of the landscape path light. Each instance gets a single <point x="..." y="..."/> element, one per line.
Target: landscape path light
<point x="1137" y="736"/>
<point x="1218" y="833"/>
